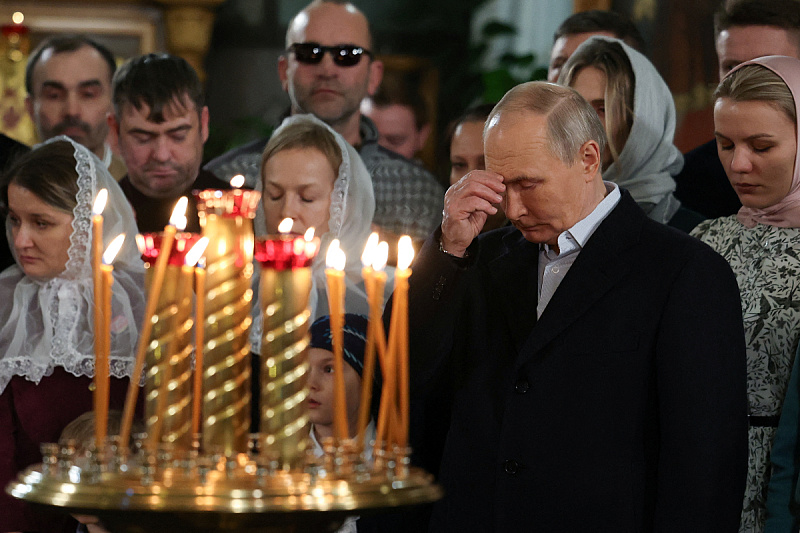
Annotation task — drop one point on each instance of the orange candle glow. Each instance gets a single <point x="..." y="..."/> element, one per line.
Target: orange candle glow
<point x="176" y="221"/>
<point x="336" y="260"/>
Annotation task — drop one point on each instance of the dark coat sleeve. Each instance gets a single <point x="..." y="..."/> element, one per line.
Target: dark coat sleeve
<point x="702" y="400"/>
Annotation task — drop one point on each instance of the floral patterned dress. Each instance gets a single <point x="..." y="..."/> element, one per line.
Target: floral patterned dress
<point x="766" y="261"/>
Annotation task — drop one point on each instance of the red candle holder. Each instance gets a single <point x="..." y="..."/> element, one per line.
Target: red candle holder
<point x="177" y="255"/>
<point x="286" y="252"/>
<point x="232" y="203"/>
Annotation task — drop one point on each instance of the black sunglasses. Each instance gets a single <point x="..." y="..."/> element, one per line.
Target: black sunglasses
<point x="345" y="55"/>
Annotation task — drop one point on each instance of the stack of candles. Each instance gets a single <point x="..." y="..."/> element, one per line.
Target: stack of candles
<point x="393" y="417"/>
<point x="178" y="218"/>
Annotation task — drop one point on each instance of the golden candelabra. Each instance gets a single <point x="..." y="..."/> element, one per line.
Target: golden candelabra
<point x="226" y="218"/>
<point x="168" y="358"/>
<point x="284" y="365"/>
<point x="226" y="481"/>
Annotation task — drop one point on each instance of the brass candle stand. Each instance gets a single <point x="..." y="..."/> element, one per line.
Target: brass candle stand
<point x="272" y="481"/>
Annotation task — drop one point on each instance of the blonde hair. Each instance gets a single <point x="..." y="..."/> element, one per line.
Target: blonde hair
<point x="571" y="121"/>
<point x="81" y="430"/>
<point x="304" y="134"/>
<point x="758" y="83"/>
<point x="610" y="58"/>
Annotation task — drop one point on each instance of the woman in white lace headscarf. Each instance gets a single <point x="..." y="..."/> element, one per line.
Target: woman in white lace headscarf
<point x="46" y="322"/>
<point x="311" y="174"/>
<point x="638" y="113"/>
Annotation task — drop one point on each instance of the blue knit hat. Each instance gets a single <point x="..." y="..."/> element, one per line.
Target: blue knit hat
<point x="355" y="343"/>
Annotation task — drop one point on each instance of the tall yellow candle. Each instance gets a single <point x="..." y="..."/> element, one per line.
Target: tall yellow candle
<point x="97" y="252"/>
<point x="374" y="281"/>
<point x="103" y="355"/>
<point x="178" y="217"/>
<point x="335" y="276"/>
<point x="199" y="332"/>
<point x="405" y="255"/>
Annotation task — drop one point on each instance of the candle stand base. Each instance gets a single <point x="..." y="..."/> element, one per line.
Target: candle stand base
<point x="180" y="491"/>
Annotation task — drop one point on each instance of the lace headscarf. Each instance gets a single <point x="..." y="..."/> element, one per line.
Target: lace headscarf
<point x="49" y="323"/>
<point x="351" y="212"/>
<point x="786" y="213"/>
<point x="649" y="159"/>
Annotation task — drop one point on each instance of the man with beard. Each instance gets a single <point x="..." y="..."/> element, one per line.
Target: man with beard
<point x="160" y="123"/>
<point x="68" y="80"/>
<point x="328" y="68"/>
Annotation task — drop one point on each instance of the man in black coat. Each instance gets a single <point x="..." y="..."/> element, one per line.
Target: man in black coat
<point x="593" y="360"/>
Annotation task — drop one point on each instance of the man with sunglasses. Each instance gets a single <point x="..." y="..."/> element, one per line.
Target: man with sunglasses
<point x="327" y="70"/>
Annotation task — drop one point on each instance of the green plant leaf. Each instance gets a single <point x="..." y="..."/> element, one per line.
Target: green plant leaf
<point x="494" y="28"/>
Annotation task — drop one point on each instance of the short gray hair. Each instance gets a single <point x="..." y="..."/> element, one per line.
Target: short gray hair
<point x="571" y="120"/>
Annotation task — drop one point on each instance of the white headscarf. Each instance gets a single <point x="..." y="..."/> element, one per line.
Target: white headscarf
<point x="49" y="323"/>
<point x="351" y="212"/>
<point x="649" y="159"/>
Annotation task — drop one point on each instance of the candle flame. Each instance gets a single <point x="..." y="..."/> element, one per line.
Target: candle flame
<point x="237" y="181"/>
<point x="100" y="202"/>
<point x="405" y="252"/>
<point x="193" y="255"/>
<point x="381" y="256"/>
<point x="369" y="250"/>
<point x="286" y="225"/>
<point x="308" y="236"/>
<point x="18" y="17"/>
<point x="141" y="244"/>
<point x="179" y="214"/>
<point x="113" y="249"/>
<point x="335" y="258"/>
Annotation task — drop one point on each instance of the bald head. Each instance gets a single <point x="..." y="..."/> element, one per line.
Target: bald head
<point x="354" y="22"/>
<point x="571" y="121"/>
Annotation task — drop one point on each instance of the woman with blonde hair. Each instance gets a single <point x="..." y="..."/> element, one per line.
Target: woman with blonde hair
<point x="756" y="126"/>
<point x="638" y="114"/>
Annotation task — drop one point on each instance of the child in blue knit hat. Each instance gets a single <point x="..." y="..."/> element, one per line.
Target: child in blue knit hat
<point x="320" y="379"/>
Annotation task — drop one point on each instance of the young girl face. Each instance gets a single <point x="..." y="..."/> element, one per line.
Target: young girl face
<point x="320" y="401"/>
<point x="757" y="145"/>
<point x="298" y="183"/>
<point x="40" y="233"/>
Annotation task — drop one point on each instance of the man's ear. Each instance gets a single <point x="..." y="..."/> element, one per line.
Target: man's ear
<point x="283" y="67"/>
<point x="591" y="159"/>
<point x="375" y="76"/>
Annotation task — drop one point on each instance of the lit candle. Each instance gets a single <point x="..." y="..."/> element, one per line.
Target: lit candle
<point x="192" y="258"/>
<point x="97" y="253"/>
<point x="405" y="255"/>
<point x="178" y="218"/>
<point x="335" y="261"/>
<point x="199" y="341"/>
<point x="371" y="272"/>
<point x="102" y="356"/>
<point x="184" y="302"/>
<point x="237" y="181"/>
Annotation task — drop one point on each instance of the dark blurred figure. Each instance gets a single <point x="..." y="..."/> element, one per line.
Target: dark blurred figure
<point x="580" y="26"/>
<point x="9" y="151"/>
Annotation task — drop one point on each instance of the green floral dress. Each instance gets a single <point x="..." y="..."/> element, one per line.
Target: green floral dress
<point x="766" y="261"/>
